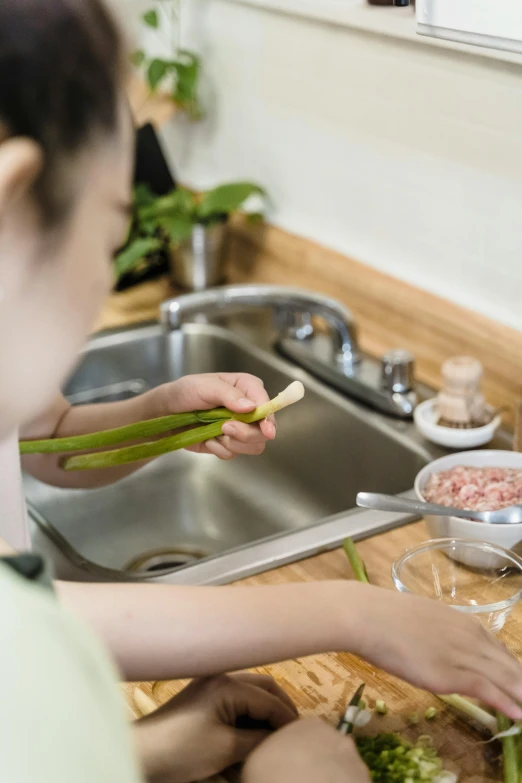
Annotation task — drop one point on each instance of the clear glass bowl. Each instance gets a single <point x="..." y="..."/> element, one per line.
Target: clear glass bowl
<point x="474" y="577"/>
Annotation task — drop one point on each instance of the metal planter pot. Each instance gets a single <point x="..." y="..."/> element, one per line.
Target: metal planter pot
<point x="199" y="262"/>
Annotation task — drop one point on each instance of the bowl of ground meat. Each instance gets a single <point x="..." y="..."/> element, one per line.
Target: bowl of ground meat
<point x="483" y="480"/>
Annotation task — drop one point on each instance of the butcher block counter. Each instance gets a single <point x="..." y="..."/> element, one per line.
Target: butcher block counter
<point x="322" y="685"/>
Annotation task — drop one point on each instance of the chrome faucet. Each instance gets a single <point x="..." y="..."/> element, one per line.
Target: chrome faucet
<point x="386" y="385"/>
<point x="296" y="301"/>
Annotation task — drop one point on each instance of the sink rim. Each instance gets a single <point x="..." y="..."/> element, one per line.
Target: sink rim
<point x="233" y="565"/>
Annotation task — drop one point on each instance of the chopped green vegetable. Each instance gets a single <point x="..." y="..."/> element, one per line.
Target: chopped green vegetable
<point x="431" y="713"/>
<point x="380" y="707"/>
<point x="391" y="759"/>
<point x="413" y="719"/>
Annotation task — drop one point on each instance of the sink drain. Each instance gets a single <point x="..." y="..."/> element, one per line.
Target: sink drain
<point x="164" y="560"/>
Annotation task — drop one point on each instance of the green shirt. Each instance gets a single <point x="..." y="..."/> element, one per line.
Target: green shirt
<point x="62" y="717"/>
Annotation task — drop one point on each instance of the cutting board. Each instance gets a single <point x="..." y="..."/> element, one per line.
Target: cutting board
<point x="322" y="685"/>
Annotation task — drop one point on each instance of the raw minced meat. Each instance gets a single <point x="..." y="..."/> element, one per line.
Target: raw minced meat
<point x="476" y="489"/>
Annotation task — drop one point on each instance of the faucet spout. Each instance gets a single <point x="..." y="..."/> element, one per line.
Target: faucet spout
<point x="297" y="301"/>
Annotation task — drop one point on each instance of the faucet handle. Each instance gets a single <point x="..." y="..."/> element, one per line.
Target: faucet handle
<point x="398" y="371"/>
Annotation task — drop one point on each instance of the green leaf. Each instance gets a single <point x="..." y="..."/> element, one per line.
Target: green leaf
<point x="228" y="198"/>
<point x="156" y="72"/>
<point x="179" y="202"/>
<point x="178" y="228"/>
<point x="255" y="218"/>
<point x="143" y="196"/>
<point x="137" y="58"/>
<point x="134" y="253"/>
<point x="151" y="19"/>
<point x="187" y="69"/>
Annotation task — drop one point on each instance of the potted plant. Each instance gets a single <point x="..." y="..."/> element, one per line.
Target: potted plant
<point x="189" y="229"/>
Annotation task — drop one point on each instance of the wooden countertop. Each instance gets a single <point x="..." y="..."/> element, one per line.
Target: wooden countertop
<point x="322" y="685"/>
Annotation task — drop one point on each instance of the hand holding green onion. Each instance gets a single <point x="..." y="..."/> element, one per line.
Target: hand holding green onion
<point x="212" y="423"/>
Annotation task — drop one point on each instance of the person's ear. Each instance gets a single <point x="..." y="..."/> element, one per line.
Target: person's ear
<point x="21" y="161"/>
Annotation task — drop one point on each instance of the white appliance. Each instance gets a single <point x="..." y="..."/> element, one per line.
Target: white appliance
<point x="496" y="24"/>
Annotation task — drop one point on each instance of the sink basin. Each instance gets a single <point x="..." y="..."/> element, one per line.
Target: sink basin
<point x="192" y="518"/>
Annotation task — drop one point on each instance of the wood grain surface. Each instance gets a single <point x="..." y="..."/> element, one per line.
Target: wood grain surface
<point x="322" y="685"/>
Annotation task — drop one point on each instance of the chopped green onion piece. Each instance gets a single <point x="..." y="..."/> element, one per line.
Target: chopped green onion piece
<point x="391" y="759"/>
<point x="413" y="719"/>
<point x="380" y="707"/>
<point x="431" y="713"/>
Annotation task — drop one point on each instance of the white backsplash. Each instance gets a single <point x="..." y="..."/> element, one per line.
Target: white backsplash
<point x="404" y="156"/>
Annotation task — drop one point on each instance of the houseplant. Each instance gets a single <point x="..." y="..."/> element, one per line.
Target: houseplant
<point x="188" y="229"/>
<point x="176" y="73"/>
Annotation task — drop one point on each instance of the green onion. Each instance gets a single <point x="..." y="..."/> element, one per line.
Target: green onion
<point x="472" y="711"/>
<point x="391" y="759"/>
<point x="431" y="713"/>
<point x="380" y="707"/>
<point x="141" y="429"/>
<point x="509" y="751"/>
<point x="413" y="719"/>
<point x="182" y="440"/>
<point x="349" y="719"/>
<point x="358" y="567"/>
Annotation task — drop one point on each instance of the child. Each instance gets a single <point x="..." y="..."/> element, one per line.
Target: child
<point x="65" y="173"/>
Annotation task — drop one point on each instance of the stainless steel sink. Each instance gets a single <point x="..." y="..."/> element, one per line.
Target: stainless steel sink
<point x="193" y="519"/>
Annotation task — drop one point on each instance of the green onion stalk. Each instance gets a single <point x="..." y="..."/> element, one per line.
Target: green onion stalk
<point x="212" y="420"/>
<point x="357" y="564"/>
<point x="509" y="750"/>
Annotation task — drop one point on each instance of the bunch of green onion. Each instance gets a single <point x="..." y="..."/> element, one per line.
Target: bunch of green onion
<point x="212" y="421"/>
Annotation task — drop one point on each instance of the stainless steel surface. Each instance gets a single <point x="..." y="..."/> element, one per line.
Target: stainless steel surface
<point x="240" y="517"/>
<point x="338" y="362"/>
<point x="398" y="371"/>
<point x="198" y="263"/>
<point x="362" y="382"/>
<point x="505" y="516"/>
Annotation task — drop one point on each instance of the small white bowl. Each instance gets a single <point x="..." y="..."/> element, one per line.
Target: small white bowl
<point x="426" y="417"/>
<point x="507" y="536"/>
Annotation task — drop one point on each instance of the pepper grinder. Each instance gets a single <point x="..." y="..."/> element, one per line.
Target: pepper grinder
<point x="461" y="403"/>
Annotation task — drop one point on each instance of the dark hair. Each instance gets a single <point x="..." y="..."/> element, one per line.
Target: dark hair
<point x="60" y="73"/>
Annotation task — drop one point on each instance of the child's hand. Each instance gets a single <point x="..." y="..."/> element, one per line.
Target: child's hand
<point x="307" y="751"/>
<point x="239" y="392"/>
<point x="436" y="648"/>
<point x="195" y="735"/>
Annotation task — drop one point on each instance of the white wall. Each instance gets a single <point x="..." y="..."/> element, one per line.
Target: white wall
<point x="401" y="155"/>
